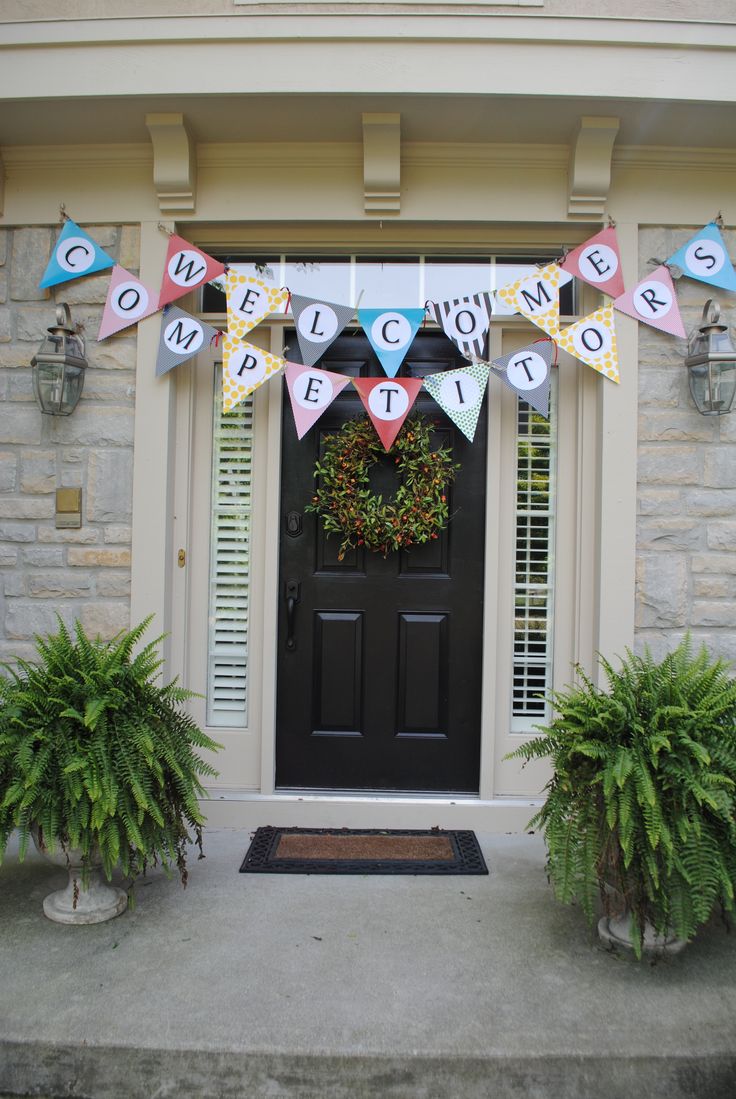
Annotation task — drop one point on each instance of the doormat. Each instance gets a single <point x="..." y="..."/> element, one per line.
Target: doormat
<point x="362" y="851"/>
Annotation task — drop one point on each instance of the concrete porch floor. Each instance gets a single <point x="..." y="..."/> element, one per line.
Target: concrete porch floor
<point x="314" y="987"/>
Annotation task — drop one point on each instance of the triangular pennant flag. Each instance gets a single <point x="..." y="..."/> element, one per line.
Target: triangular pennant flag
<point x="318" y="324"/>
<point x="598" y="262"/>
<point x="537" y="297"/>
<point x="244" y="368"/>
<point x="653" y="301"/>
<point x="704" y="257"/>
<point x="75" y="254"/>
<point x="460" y="393"/>
<point x="311" y="391"/>
<point x="182" y="336"/>
<point x="388" y="402"/>
<point x="128" y="301"/>
<point x="593" y="341"/>
<point x="185" y="269"/>
<point x="249" y="300"/>
<point x="466" y="322"/>
<point x="390" y="333"/>
<point x="527" y="372"/>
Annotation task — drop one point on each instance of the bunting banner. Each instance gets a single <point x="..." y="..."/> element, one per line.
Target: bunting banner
<point x="75" y="254"/>
<point x="185" y="269"/>
<point x="593" y="341"/>
<point x="459" y="393"/>
<point x="598" y="262"/>
<point x="249" y="301"/>
<point x="527" y="372"/>
<point x="466" y="322"/>
<point x="390" y="333"/>
<point x="388" y="403"/>
<point x="704" y="257"/>
<point x="244" y="368"/>
<point x="128" y="301"/>
<point x="311" y="391"/>
<point x="182" y="336"/>
<point x="537" y="297"/>
<point x="654" y="302"/>
<point x="318" y="324"/>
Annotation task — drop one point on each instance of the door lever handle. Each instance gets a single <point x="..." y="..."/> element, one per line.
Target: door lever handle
<point x="292" y="598"/>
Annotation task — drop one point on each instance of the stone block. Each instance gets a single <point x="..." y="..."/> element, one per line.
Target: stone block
<point x="670" y="534"/>
<point x="714" y="587"/>
<point x="669" y="465"/>
<point x="723" y="563"/>
<point x="22" y="507"/>
<point x="32" y="323"/>
<point x="676" y="425"/>
<point x="11" y="651"/>
<point x="104" y="235"/>
<point x="662" y="590"/>
<point x="721" y="613"/>
<point x="104" y="620"/>
<point x="58" y="584"/>
<point x="14" y="584"/>
<point x="114" y="354"/>
<point x="3" y="246"/>
<point x="23" y="620"/>
<point x="3" y="286"/>
<point x="72" y="478"/>
<point x="30" y="257"/>
<point x="722" y="535"/>
<point x="719" y="469"/>
<point x="8" y="471"/>
<point x="659" y="501"/>
<point x="110" y="486"/>
<point x="94" y="558"/>
<point x="8" y="557"/>
<point x="660" y="387"/>
<point x="709" y="501"/>
<point x="75" y="536"/>
<point x="44" y="556"/>
<point x="92" y="425"/>
<point x="5" y="335"/>
<point x="91" y="290"/>
<point x="13" y="355"/>
<point x="20" y="386"/>
<point x="113" y="583"/>
<point x="38" y="471"/>
<point x="129" y="253"/>
<point x="118" y="534"/>
<point x="17" y="532"/>
<point x="101" y="385"/>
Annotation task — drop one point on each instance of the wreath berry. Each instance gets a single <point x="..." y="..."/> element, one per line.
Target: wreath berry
<point x="347" y="505"/>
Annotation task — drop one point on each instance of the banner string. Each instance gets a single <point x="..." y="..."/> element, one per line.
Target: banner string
<point x="63" y="216"/>
<point x="545" y="339"/>
<point x="165" y="229"/>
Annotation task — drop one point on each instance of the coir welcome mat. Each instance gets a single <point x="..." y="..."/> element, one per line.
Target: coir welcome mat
<point x="362" y="851"/>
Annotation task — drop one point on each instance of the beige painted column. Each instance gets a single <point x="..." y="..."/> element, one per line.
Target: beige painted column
<point x="616" y="504"/>
<point x="153" y="458"/>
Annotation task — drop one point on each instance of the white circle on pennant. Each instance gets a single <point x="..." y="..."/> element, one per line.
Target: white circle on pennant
<point x="246" y="366"/>
<point x="390" y="331"/>
<point x="527" y="370"/>
<point x="129" y="300"/>
<point x="592" y="340"/>
<point x="466" y="321"/>
<point x="459" y="393"/>
<point x="317" y="323"/>
<point x="652" y="299"/>
<point x="183" y="337"/>
<point x="187" y="268"/>
<point x="75" y="255"/>
<point x="705" y="257"/>
<point x="388" y="401"/>
<point x="598" y="263"/>
<point x="313" y="390"/>
<point x="536" y="295"/>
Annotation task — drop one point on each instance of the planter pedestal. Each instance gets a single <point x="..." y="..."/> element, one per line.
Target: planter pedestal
<point x="616" y="931"/>
<point x="96" y="899"/>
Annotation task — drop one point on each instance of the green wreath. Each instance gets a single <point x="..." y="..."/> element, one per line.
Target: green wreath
<point x="347" y="505"/>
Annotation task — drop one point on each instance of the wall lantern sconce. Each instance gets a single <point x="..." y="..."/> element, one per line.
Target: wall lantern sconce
<point x="59" y="366"/>
<point x="711" y="363"/>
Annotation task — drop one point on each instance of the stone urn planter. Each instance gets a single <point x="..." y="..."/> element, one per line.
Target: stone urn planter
<point x="87" y="898"/>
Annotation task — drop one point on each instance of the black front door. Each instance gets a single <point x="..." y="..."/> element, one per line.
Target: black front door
<point x="379" y="687"/>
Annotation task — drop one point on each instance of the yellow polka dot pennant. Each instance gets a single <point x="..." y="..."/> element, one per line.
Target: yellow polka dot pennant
<point x="249" y="300"/>
<point x="593" y="341"/>
<point x="244" y="368"/>
<point x="537" y="297"/>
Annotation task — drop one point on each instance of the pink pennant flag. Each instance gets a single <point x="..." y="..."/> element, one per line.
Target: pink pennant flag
<point x="311" y="391"/>
<point x="388" y="402"/>
<point x="654" y="302"/>
<point x="128" y="301"/>
<point x="598" y="262"/>
<point x="185" y="269"/>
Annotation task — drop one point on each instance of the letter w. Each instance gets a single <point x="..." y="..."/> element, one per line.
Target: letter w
<point x="190" y="276"/>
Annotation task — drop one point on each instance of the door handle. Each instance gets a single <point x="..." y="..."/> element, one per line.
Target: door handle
<point x="292" y="598"/>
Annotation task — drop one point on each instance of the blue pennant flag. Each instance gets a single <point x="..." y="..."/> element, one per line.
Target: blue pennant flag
<point x="391" y="332"/>
<point x="705" y="258"/>
<point x="75" y="254"/>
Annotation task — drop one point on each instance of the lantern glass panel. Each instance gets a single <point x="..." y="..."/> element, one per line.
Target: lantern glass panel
<point x="58" y="387"/>
<point x="713" y="386"/>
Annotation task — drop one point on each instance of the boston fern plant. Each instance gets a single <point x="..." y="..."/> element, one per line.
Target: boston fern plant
<point x="643" y="796"/>
<point x="96" y="755"/>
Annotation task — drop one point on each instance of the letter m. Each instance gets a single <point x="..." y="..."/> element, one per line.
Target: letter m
<point x="538" y="302"/>
<point x="179" y="336"/>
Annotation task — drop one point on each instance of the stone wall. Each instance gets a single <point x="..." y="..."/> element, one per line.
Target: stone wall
<point x="82" y="573"/>
<point x="686" y="545"/>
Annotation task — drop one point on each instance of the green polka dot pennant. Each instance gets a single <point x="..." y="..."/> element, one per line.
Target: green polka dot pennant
<point x="459" y="393"/>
